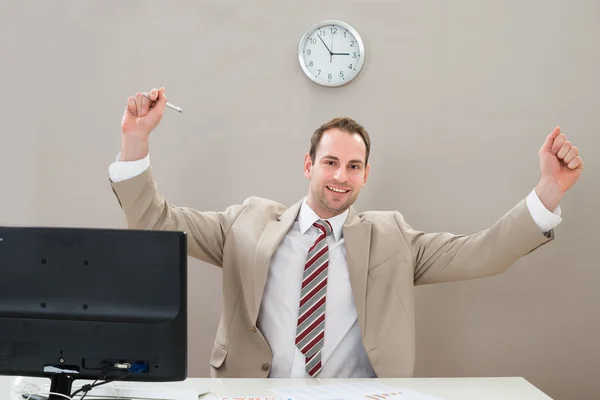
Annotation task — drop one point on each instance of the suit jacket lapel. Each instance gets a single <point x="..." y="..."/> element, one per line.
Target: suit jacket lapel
<point x="357" y="239"/>
<point x="270" y="238"/>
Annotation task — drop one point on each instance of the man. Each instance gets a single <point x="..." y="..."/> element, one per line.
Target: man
<point x="318" y="289"/>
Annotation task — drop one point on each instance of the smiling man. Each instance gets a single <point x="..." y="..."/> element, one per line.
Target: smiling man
<point x="318" y="289"/>
<point x="336" y="182"/>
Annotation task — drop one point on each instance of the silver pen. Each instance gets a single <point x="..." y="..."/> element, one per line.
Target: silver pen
<point x="169" y="105"/>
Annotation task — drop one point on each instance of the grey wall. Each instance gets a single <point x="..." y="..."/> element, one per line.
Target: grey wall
<point x="458" y="97"/>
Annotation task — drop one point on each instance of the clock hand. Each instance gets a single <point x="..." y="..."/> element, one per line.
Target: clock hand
<point x="325" y="45"/>
<point x="331" y="51"/>
<point x="340" y="54"/>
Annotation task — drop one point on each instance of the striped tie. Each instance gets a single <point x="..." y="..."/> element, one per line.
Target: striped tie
<point x="310" y="331"/>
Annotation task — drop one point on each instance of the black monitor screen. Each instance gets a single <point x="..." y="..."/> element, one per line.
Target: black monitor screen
<point x="98" y="303"/>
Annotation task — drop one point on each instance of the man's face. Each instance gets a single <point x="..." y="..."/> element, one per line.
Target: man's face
<point x="337" y="173"/>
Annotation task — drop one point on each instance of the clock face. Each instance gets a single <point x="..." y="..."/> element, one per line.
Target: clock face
<point x="331" y="53"/>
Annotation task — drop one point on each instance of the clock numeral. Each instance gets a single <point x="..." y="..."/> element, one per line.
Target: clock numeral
<point x="353" y="55"/>
<point x="330" y="76"/>
<point x="352" y="43"/>
<point x="341" y="74"/>
<point x="350" y="66"/>
<point x="322" y="33"/>
<point x="313" y="40"/>
<point x="345" y="32"/>
<point x="334" y="30"/>
<point x="310" y="64"/>
<point x="318" y="72"/>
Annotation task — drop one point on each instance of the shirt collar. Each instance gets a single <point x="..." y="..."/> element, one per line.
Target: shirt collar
<point x="307" y="217"/>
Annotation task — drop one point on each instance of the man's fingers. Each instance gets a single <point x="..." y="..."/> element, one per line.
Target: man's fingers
<point x="550" y="138"/>
<point x="575" y="163"/>
<point x="162" y="98"/>
<point x="143" y="104"/>
<point x="154" y="94"/>
<point x="159" y="106"/>
<point x="138" y="103"/>
<point x="558" y="142"/>
<point x="571" y="154"/>
<point x="131" y="106"/>
<point x="564" y="149"/>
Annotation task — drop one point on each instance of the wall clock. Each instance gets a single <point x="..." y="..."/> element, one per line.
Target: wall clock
<point x="331" y="53"/>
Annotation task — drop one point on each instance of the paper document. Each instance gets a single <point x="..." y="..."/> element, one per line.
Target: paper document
<point x="248" y="398"/>
<point x="352" y="391"/>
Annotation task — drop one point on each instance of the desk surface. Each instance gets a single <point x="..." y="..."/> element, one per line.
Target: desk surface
<point x="446" y="388"/>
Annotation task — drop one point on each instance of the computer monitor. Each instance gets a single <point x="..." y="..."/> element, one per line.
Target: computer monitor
<point x="84" y="303"/>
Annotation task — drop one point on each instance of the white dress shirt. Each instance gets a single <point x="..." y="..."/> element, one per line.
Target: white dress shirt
<point x="343" y="354"/>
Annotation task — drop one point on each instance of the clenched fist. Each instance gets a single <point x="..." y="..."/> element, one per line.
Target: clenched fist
<point x="140" y="118"/>
<point x="142" y="115"/>
<point x="560" y="165"/>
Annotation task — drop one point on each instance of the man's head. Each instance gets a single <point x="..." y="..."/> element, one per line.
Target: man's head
<point x="337" y="166"/>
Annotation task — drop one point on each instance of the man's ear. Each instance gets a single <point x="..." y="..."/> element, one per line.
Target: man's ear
<point x="307" y="165"/>
<point x="367" y="169"/>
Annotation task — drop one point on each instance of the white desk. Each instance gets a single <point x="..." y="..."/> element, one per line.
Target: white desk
<point x="446" y="388"/>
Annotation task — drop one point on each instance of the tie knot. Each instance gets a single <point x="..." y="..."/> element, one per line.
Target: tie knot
<point x="323" y="226"/>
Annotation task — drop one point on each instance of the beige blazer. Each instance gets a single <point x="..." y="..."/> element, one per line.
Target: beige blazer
<point x="386" y="258"/>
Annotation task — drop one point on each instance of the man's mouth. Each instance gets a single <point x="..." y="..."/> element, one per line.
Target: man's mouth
<point x="337" y="190"/>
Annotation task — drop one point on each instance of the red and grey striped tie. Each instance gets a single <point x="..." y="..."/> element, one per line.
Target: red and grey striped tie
<point x="310" y="331"/>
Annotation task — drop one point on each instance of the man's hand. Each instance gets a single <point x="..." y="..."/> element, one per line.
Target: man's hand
<point x="560" y="165"/>
<point x="140" y="118"/>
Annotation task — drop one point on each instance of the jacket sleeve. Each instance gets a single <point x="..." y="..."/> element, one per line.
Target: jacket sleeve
<point x="146" y="208"/>
<point x="445" y="257"/>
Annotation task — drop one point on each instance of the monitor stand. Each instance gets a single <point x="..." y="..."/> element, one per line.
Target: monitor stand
<point x="61" y="382"/>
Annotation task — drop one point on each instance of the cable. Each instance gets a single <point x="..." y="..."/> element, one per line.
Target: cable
<point x="31" y="389"/>
<point x="87" y="388"/>
<point x="29" y="393"/>
<point x="134" y="369"/>
<point x="84" y="394"/>
<point x="57" y="394"/>
<point x="106" y="372"/>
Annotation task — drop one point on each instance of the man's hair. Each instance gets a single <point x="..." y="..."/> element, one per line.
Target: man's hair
<point x="345" y="124"/>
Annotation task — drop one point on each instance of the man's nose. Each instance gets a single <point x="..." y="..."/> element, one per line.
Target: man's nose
<point x="340" y="175"/>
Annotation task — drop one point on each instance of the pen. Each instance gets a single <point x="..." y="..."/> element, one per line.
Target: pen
<point x="169" y="105"/>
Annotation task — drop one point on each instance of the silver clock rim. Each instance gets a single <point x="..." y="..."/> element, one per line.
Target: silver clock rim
<point x="310" y="30"/>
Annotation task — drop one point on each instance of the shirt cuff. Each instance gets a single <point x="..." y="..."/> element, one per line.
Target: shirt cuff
<point x="122" y="170"/>
<point x="544" y="219"/>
